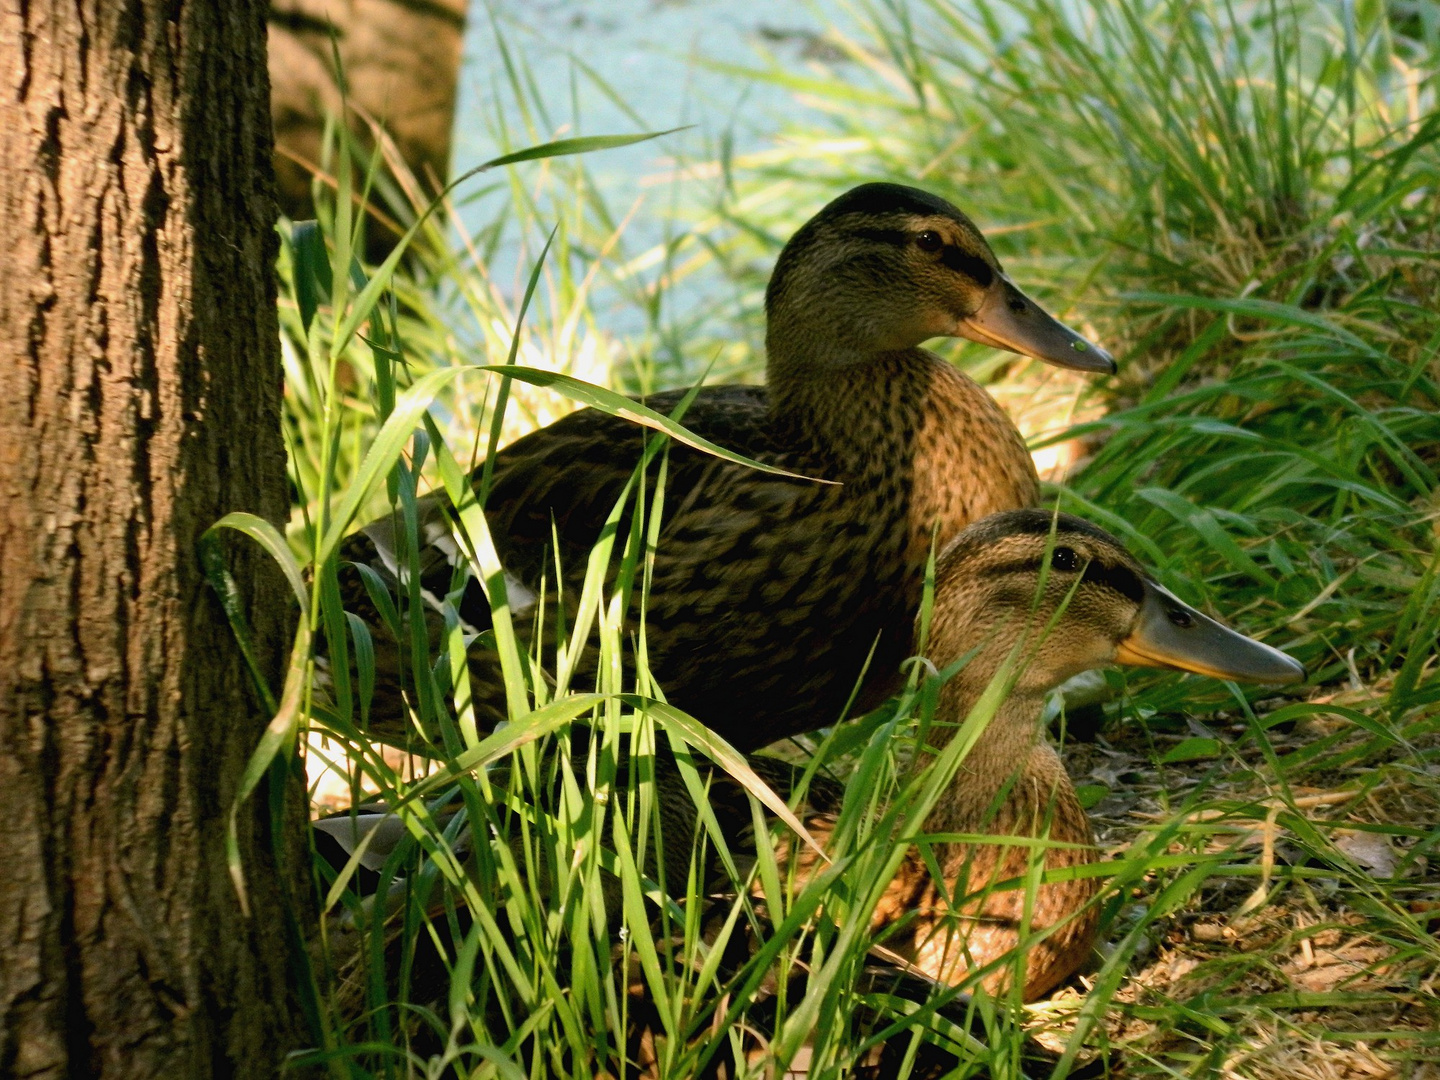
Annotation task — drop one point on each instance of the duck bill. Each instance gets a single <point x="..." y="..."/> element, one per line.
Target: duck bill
<point x="1169" y="633"/>
<point x="1008" y="319"/>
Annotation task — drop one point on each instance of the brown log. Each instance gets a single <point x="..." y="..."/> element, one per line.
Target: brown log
<point x="139" y="346"/>
<point x="401" y="61"/>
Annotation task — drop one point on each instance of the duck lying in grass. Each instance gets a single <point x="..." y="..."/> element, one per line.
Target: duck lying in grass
<point x="1031" y="599"/>
<point x="1025" y="600"/>
<point x="769" y="593"/>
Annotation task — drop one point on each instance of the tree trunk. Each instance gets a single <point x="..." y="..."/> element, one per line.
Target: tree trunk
<point x="401" y="60"/>
<point x="139" y="347"/>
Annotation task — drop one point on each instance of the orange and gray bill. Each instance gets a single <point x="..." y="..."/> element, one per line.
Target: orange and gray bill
<point x="1169" y="633"/>
<point x="1008" y="319"/>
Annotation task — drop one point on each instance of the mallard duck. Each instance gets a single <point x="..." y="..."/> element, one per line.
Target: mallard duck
<point x="1051" y="595"/>
<point x="769" y="593"/>
<point x="995" y="598"/>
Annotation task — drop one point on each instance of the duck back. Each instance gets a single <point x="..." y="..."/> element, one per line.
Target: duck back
<point x="770" y="594"/>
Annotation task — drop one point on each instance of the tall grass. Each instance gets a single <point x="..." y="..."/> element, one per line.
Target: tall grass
<point x="1241" y="197"/>
<point x="553" y="945"/>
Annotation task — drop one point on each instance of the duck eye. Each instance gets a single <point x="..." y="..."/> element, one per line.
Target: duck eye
<point x="1065" y="559"/>
<point x="929" y="240"/>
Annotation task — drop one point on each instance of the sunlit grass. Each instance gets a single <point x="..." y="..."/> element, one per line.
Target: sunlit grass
<point x="1241" y="200"/>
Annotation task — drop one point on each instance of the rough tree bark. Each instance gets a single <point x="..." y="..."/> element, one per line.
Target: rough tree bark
<point x="139" y="351"/>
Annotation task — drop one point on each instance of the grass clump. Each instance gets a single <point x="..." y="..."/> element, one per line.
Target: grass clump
<point x="1241" y="199"/>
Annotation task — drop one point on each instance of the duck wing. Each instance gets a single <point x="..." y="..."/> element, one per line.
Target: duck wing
<point x="559" y="483"/>
<point x="572" y="472"/>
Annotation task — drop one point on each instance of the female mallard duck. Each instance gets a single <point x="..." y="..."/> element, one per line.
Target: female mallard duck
<point x="769" y="593"/>
<point x="1052" y="596"/>
<point x="1049" y="596"/>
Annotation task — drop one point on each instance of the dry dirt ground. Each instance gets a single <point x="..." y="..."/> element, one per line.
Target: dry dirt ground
<point x="1310" y="954"/>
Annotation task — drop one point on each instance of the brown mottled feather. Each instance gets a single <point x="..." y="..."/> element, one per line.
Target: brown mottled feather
<point x="769" y="593"/>
<point x="1011" y="783"/>
<point x="944" y="940"/>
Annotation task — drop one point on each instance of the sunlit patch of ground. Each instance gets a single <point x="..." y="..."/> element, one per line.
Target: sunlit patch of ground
<point x="1279" y="966"/>
<point x="329" y="773"/>
<point x="1043" y="401"/>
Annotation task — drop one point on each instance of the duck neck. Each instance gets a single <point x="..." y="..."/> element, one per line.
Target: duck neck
<point x="899" y="419"/>
<point x="837" y="395"/>
<point x="995" y="781"/>
<point x="814" y="334"/>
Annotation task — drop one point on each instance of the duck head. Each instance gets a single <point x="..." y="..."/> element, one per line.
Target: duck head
<point x="885" y="267"/>
<point x="1070" y="597"/>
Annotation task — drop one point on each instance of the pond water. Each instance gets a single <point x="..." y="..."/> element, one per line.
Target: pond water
<point x="648" y="53"/>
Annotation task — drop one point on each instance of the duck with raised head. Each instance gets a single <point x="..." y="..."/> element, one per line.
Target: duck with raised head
<point x="1043" y="597"/>
<point x="769" y="594"/>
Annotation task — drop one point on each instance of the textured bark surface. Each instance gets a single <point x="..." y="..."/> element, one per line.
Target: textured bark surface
<point x="401" y="60"/>
<point x="140" y="356"/>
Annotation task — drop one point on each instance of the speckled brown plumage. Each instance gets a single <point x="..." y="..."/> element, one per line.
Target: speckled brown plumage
<point x="1043" y="804"/>
<point x="769" y="593"/>
<point x="1093" y="606"/>
<point x="1037" y="598"/>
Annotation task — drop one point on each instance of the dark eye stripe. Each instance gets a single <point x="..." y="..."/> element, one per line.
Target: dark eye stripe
<point x="972" y="266"/>
<point x="1120" y="579"/>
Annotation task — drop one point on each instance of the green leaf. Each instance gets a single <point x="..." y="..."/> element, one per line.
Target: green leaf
<point x="311" y="268"/>
<point x="486" y="565"/>
<point x="1204" y="523"/>
<point x="502" y="396"/>
<point x="728" y="758"/>
<point x="566" y="147"/>
<point x="269" y="538"/>
<point x="212" y="561"/>
<point x="1303" y="709"/>
<point x="389" y="443"/>
<point x="279" y="737"/>
<point x="364" y="663"/>
<point x="627" y="409"/>
<point x="460" y="978"/>
<point x="1194" y="749"/>
<point x="1268" y="310"/>
<point x="509" y="738"/>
